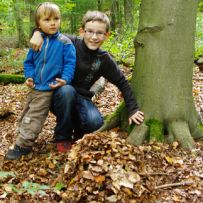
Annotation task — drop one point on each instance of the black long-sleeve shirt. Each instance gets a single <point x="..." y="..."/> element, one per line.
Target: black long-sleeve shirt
<point x="91" y="65"/>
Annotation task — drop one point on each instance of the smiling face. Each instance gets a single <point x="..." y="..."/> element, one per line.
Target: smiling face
<point x="94" y="34"/>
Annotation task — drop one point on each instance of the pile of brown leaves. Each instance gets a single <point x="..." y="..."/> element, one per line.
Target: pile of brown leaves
<point x="104" y="168"/>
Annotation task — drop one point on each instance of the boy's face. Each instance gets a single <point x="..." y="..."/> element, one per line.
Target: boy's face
<point x="49" y="25"/>
<point x="94" y="34"/>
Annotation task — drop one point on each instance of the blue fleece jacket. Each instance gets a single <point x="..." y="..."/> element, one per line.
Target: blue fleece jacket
<point x="57" y="59"/>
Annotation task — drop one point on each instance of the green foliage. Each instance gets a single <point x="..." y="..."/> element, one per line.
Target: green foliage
<point x="200" y="5"/>
<point x="199" y="36"/>
<point x="121" y="46"/>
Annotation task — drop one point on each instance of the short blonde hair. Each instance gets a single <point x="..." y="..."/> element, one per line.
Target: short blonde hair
<point x="46" y="9"/>
<point x="96" y="16"/>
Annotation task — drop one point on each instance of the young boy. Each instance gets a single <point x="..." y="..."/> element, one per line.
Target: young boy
<point x="81" y="116"/>
<point x="53" y="65"/>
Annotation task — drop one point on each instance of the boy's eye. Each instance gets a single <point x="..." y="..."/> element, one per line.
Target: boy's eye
<point x="100" y="33"/>
<point x="91" y="33"/>
<point x="56" y="18"/>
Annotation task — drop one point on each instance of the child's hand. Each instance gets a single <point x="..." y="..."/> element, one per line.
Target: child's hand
<point x="30" y="83"/>
<point x="137" y="118"/>
<point x="36" y="41"/>
<point x="59" y="83"/>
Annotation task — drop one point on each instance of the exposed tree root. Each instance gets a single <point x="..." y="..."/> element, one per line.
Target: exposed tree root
<point x="110" y="123"/>
<point x="170" y="138"/>
<point x="138" y="134"/>
<point x="113" y="120"/>
<point x="181" y="133"/>
<point x="198" y="132"/>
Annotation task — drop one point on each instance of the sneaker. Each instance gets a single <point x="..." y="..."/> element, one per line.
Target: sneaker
<point x="64" y="145"/>
<point x="17" y="152"/>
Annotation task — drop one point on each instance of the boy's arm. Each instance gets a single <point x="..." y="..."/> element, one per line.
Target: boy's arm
<point x="36" y="41"/>
<point x="29" y="65"/>
<point x="69" y="56"/>
<point x="113" y="74"/>
<point x="29" y="69"/>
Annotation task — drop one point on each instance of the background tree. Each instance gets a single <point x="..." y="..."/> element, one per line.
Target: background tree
<point x="31" y="4"/>
<point x="17" y="10"/>
<point x="129" y="9"/>
<point x="116" y="15"/>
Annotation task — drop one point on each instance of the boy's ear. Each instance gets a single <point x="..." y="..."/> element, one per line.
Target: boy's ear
<point x="107" y="35"/>
<point x="81" y="32"/>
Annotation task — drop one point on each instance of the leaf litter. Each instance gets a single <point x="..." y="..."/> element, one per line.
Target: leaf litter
<point x="101" y="167"/>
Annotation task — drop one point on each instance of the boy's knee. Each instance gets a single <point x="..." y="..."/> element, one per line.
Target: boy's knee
<point x="93" y="123"/>
<point x="65" y="91"/>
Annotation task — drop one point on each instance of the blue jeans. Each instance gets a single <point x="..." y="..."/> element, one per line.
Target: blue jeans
<point x="75" y="115"/>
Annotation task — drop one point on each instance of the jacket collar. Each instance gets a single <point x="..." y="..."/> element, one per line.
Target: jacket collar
<point x="51" y="36"/>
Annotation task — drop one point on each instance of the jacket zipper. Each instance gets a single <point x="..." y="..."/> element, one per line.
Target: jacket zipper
<point x="45" y="52"/>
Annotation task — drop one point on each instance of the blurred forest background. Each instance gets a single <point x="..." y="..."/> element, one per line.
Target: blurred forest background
<point x="17" y="23"/>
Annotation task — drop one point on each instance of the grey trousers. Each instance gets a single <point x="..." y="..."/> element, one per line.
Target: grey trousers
<point x="33" y="117"/>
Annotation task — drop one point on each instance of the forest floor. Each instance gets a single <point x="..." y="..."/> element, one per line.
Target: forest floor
<point x="101" y="167"/>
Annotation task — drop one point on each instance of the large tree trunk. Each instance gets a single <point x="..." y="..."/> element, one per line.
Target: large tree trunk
<point x="162" y="79"/>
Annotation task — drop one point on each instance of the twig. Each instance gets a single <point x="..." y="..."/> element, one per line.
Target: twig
<point x="154" y="174"/>
<point x="52" y="172"/>
<point x="174" y="184"/>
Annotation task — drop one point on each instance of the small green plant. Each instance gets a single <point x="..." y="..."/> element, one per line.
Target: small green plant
<point x="5" y="174"/>
<point x="59" y="186"/>
<point x="35" y="188"/>
<point x="29" y="187"/>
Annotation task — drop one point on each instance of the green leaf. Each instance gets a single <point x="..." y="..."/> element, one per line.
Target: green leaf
<point x="5" y="174"/>
<point x="34" y="188"/>
<point x="59" y="186"/>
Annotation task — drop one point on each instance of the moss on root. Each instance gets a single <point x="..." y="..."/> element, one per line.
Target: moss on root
<point x="200" y="126"/>
<point x="7" y="78"/>
<point x="156" y="130"/>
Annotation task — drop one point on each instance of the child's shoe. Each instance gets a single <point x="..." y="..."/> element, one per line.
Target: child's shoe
<point x="64" y="145"/>
<point x="17" y="152"/>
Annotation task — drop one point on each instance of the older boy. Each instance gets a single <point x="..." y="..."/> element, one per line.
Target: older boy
<point x="81" y="116"/>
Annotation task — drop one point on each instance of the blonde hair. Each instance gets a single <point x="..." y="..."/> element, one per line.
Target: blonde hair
<point x="46" y="9"/>
<point x="96" y="16"/>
